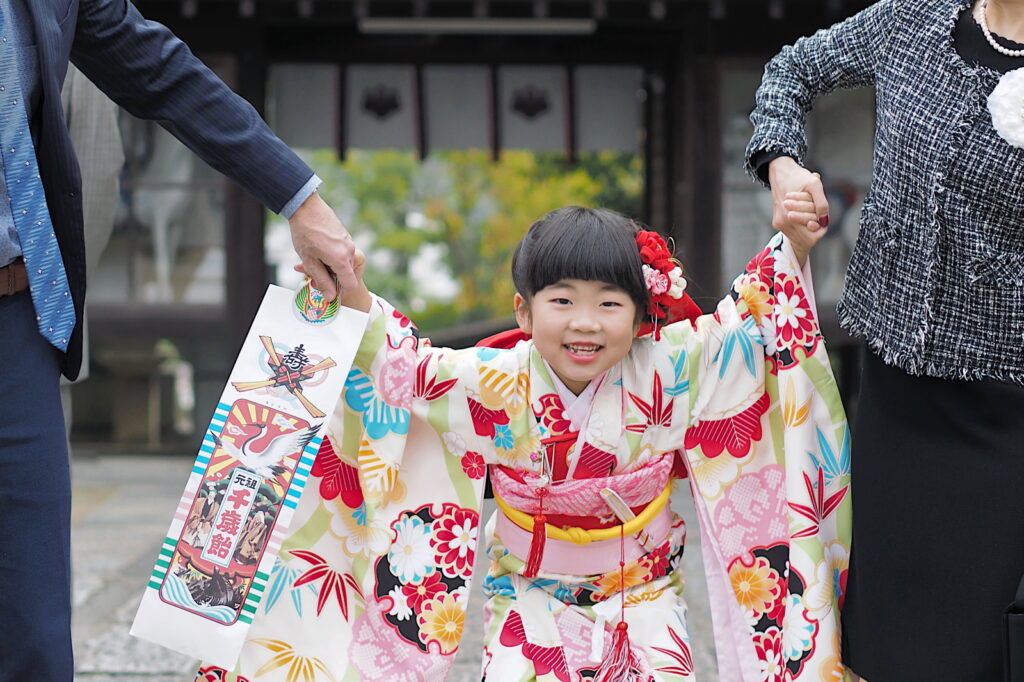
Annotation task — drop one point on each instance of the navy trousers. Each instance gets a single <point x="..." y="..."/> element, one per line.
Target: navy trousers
<point x="35" y="504"/>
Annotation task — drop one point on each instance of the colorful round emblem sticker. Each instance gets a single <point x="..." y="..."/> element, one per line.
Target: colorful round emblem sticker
<point x="313" y="307"/>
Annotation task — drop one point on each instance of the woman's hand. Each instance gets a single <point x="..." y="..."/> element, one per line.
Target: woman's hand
<point x="800" y="235"/>
<point x="789" y="213"/>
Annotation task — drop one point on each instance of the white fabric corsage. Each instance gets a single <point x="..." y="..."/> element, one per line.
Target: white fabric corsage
<point x="1006" y="104"/>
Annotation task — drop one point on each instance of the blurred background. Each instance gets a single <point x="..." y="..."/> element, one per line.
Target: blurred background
<point x="442" y="129"/>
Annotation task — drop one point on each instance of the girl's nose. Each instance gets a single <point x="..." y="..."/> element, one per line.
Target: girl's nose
<point x="584" y="322"/>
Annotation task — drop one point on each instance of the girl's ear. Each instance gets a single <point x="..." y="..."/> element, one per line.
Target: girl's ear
<point x="522" y="309"/>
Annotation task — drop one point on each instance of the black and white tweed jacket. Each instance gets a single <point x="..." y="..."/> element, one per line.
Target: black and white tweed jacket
<point x="936" y="280"/>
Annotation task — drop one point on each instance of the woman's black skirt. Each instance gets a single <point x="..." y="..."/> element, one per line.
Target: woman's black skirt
<point x="938" y="526"/>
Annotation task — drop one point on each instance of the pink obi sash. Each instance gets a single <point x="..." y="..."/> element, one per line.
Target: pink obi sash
<point x="582" y="498"/>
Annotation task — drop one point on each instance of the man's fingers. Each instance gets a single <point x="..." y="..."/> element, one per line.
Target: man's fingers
<point x="321" y="277"/>
<point x="346" y="274"/>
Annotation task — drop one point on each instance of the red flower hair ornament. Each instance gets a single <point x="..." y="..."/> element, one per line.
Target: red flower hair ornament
<point x="663" y="277"/>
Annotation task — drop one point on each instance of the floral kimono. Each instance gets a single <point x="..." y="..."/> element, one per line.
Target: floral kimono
<point x="372" y="581"/>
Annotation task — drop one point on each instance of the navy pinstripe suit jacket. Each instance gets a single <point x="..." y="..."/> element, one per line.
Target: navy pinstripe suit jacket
<point x="143" y="67"/>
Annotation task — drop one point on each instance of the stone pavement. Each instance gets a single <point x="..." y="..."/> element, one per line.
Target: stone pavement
<point x="122" y="507"/>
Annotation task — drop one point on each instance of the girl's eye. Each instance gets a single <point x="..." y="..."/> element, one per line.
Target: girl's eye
<point x="561" y="301"/>
<point x="612" y="304"/>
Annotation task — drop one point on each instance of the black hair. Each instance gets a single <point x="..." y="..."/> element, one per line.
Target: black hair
<point x="581" y="243"/>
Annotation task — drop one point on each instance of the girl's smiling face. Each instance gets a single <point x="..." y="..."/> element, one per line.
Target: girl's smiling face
<point x="580" y="327"/>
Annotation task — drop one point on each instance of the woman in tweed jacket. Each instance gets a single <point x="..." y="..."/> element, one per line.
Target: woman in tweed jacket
<point x="935" y="288"/>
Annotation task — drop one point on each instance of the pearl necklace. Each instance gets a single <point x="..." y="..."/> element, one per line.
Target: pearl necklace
<point x="983" y="22"/>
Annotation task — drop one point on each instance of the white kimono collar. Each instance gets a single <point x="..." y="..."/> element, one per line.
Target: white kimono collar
<point x="575" y="407"/>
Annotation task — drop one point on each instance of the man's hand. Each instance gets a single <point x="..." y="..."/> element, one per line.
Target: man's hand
<point x="324" y="245"/>
<point x="789" y="212"/>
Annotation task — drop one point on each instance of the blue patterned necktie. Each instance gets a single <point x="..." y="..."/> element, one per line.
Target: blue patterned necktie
<point x="47" y="281"/>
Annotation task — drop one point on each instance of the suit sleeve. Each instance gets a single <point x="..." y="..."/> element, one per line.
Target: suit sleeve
<point x="143" y="67"/>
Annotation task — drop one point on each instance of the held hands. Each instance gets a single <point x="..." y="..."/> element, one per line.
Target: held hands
<point x="800" y="209"/>
<point x="358" y="297"/>
<point x="324" y="245"/>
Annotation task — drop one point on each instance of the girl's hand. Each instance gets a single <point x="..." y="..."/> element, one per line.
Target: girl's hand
<point x="801" y="236"/>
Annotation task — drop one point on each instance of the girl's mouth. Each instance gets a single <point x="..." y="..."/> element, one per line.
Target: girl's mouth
<point x="582" y="352"/>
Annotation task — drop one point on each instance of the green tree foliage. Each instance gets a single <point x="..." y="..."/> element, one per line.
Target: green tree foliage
<point x="466" y="210"/>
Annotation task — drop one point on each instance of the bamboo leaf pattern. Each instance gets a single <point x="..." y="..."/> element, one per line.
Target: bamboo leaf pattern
<point x="835" y="466"/>
<point x="334" y="583"/>
<point x="300" y="668"/>
<point x="820" y="506"/>
<point x="681" y="654"/>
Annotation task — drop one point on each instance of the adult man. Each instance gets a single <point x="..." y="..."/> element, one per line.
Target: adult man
<point x="152" y="74"/>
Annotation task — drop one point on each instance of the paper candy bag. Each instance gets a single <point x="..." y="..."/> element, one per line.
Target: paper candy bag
<point x="248" y="476"/>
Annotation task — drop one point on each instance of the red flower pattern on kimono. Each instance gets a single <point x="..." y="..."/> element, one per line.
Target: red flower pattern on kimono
<point x="768" y="645"/>
<point x="735" y="433"/>
<point x="763" y="265"/>
<point x="417" y="594"/>
<point x="545" y="660"/>
<point x="794" y="322"/>
<point x="473" y="464"/>
<point x="454" y="540"/>
<point x="336" y="477"/>
<point x="657" y="561"/>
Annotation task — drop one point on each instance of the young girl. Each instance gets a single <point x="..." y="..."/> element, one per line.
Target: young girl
<point x="582" y="430"/>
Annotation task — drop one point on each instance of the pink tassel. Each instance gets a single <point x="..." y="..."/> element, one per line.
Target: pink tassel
<point x="540" y="536"/>
<point x="620" y="665"/>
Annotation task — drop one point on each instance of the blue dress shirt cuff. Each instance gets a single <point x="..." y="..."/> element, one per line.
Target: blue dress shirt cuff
<point x="293" y="204"/>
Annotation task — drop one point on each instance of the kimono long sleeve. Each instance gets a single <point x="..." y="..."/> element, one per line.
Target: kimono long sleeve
<point x="766" y="445"/>
<point x="372" y="581"/>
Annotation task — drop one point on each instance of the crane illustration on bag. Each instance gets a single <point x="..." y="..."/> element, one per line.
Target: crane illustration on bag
<point x="265" y="462"/>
